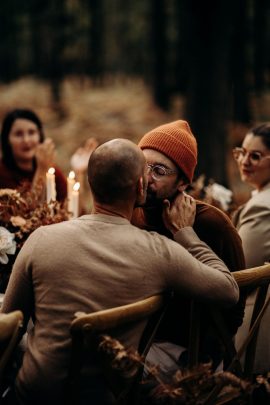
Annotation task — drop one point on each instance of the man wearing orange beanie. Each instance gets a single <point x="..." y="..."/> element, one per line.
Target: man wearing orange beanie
<point x="171" y="154"/>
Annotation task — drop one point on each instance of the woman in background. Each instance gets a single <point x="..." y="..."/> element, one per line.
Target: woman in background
<point x="252" y="221"/>
<point x="26" y="155"/>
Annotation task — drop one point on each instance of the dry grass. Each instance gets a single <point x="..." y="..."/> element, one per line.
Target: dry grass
<point x="120" y="108"/>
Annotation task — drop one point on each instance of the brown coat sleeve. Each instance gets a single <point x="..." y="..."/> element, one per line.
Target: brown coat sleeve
<point x="216" y="229"/>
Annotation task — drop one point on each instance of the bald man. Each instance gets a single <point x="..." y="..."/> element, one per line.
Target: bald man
<point x="101" y="261"/>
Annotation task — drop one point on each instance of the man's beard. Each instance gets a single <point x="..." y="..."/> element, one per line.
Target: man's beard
<point x="152" y="200"/>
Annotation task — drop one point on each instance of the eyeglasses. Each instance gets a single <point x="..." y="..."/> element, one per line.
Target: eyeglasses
<point x="255" y="157"/>
<point x="159" y="171"/>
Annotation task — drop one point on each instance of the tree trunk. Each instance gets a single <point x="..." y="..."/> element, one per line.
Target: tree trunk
<point x="95" y="50"/>
<point x="208" y="29"/>
<point x="261" y="51"/>
<point x="159" y="41"/>
<point x="239" y="67"/>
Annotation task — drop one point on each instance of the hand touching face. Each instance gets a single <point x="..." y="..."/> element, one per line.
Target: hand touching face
<point x="45" y="154"/>
<point x="179" y="213"/>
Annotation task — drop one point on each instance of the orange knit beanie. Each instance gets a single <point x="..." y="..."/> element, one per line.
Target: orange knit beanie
<point x="176" y="141"/>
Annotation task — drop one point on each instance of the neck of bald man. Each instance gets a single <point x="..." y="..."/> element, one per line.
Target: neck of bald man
<point x="123" y="209"/>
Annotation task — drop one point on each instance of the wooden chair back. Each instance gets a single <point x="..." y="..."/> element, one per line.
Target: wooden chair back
<point x="251" y="279"/>
<point x="248" y="280"/>
<point x="87" y="328"/>
<point x="10" y="325"/>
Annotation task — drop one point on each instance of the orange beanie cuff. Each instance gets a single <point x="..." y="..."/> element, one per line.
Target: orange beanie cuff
<point x="176" y="141"/>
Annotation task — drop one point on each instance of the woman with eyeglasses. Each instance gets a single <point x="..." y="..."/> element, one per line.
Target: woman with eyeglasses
<point x="252" y="221"/>
<point x="26" y="155"/>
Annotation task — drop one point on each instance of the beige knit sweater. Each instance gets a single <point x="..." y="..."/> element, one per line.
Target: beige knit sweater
<point x="96" y="262"/>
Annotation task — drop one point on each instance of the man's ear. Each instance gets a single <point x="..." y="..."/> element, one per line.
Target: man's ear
<point x="140" y="187"/>
<point x="141" y="192"/>
<point x="182" y="185"/>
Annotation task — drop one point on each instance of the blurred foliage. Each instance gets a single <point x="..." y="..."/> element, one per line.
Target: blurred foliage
<point x="198" y="385"/>
<point x="92" y="37"/>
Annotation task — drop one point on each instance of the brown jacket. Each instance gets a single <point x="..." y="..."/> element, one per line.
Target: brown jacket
<point x="216" y="229"/>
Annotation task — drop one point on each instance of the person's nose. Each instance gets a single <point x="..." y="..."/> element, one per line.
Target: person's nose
<point x="246" y="160"/>
<point x="26" y="138"/>
<point x="149" y="176"/>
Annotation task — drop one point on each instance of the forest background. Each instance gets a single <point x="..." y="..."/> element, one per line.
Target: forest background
<point x="119" y="68"/>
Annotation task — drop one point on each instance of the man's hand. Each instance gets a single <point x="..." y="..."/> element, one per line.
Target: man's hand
<point x="179" y="213"/>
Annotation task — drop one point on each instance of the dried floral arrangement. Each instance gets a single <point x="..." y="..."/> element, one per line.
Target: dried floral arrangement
<point x="213" y="193"/>
<point x="262" y="394"/>
<point x="21" y="212"/>
<point x="190" y="386"/>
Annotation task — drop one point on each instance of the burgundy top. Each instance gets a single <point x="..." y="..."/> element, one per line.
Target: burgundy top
<point x="14" y="178"/>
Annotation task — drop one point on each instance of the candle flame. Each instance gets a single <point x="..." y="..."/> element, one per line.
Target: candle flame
<point x="51" y="170"/>
<point x="71" y="175"/>
<point x="76" y="186"/>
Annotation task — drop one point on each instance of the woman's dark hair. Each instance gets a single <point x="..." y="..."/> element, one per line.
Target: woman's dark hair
<point x="9" y="119"/>
<point x="263" y="131"/>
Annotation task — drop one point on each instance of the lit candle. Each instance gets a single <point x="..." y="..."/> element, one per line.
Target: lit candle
<point x="70" y="184"/>
<point x="50" y="185"/>
<point x="75" y="200"/>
